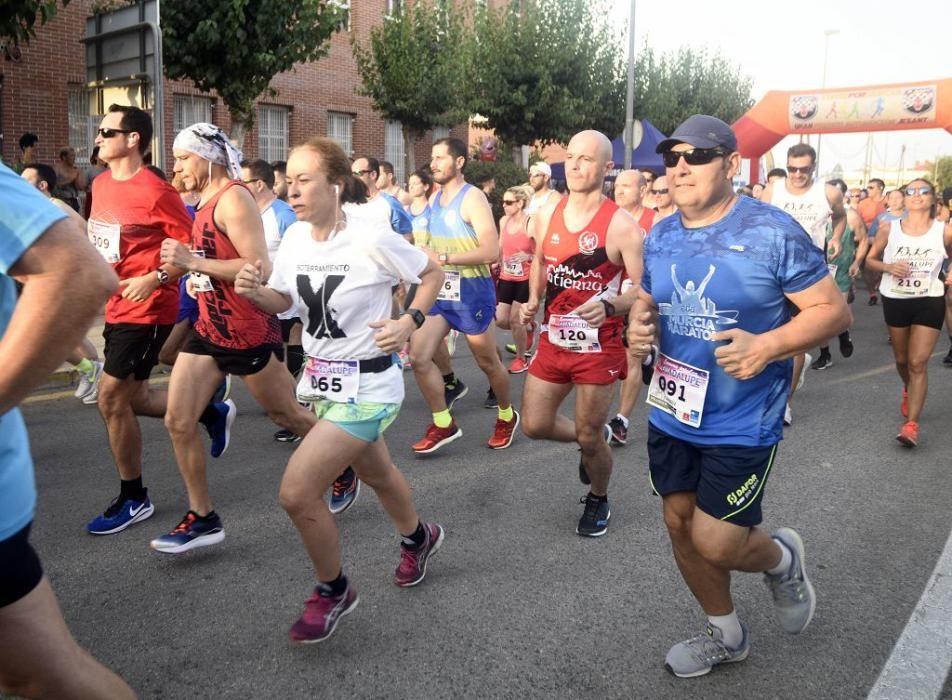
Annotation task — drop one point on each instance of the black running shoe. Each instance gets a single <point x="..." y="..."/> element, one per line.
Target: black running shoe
<point x="594" y="520"/>
<point x="822" y="362"/>
<point x="454" y="392"/>
<point x="846" y="344"/>
<point x="619" y="431"/>
<point x="947" y="360"/>
<point x="285" y="435"/>
<point x="490" y="401"/>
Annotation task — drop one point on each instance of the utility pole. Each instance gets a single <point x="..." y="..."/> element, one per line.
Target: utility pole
<point x="629" y="138"/>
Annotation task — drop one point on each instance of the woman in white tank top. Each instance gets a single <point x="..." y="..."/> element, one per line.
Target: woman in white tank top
<point x="910" y="254"/>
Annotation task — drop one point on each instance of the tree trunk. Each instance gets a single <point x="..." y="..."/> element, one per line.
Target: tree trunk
<point x="409" y="158"/>
<point x="240" y="125"/>
<point x="517" y="154"/>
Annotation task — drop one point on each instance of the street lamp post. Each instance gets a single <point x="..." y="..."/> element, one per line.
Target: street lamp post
<point x="630" y="95"/>
<point x="826" y="52"/>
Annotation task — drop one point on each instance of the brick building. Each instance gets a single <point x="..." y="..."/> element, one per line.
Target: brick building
<point x="46" y="92"/>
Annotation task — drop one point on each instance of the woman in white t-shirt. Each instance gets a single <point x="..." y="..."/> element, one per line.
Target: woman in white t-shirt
<point x="910" y="253"/>
<point x="337" y="275"/>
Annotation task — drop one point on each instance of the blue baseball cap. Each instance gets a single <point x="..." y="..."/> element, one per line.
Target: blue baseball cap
<point x="701" y="131"/>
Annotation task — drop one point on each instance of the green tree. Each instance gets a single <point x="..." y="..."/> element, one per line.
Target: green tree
<point x="410" y="66"/>
<point x="237" y="47"/>
<point x="18" y="17"/>
<point x="943" y="173"/>
<point x="673" y="86"/>
<point x="541" y="70"/>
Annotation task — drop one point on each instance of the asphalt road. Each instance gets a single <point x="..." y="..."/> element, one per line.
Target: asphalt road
<point x="515" y="604"/>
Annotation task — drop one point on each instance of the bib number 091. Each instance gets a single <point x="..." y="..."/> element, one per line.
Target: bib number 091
<point x="671" y="388"/>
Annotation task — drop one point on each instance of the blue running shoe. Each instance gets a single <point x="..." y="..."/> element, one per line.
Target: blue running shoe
<point x="223" y="391"/>
<point x="119" y="515"/>
<point x="219" y="430"/>
<point x="194" y="531"/>
<point x="345" y="491"/>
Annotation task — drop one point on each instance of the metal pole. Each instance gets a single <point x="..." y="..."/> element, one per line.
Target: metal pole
<point x="158" y="110"/>
<point x="630" y="96"/>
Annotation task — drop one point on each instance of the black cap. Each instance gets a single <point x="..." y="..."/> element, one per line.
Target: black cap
<point x="701" y="131"/>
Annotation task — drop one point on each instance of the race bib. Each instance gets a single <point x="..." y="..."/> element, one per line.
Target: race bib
<point x="451" y="288"/>
<point x="573" y="333"/>
<point x="513" y="267"/>
<point x="200" y="282"/>
<point x="329" y="380"/>
<point x="832" y="267"/>
<point x="678" y="389"/>
<point x="105" y="239"/>
<point x="916" y="284"/>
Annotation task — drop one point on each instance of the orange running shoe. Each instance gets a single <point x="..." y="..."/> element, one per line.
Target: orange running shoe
<point x="518" y="366"/>
<point x="436" y="438"/>
<point x="909" y="434"/>
<point x="504" y="433"/>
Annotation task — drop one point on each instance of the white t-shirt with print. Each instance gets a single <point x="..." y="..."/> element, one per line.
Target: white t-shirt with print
<point x="339" y="286"/>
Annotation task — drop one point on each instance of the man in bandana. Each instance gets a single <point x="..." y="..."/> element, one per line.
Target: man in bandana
<point x="231" y="335"/>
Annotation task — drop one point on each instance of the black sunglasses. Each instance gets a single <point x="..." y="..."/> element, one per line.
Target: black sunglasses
<point x="693" y="156"/>
<point x="109" y="133"/>
<point x="664" y="191"/>
<point x="508" y="202"/>
<point x="360" y="173"/>
<point x="793" y="170"/>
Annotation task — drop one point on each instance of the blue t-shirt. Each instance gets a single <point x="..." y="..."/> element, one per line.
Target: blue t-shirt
<point x="284" y="214"/>
<point x="731" y="274"/>
<point x="400" y="221"/>
<point x="884" y="216"/>
<point x="26" y="216"/>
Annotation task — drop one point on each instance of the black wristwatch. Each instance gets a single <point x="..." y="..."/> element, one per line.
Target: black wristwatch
<point x="416" y="315"/>
<point x="163" y="277"/>
<point x="609" y="308"/>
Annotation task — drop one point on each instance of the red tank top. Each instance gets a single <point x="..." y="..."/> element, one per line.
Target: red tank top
<point x="224" y="318"/>
<point x="577" y="267"/>
<point x="513" y="242"/>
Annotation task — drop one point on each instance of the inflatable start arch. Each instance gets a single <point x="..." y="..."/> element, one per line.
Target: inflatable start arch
<point x="922" y="105"/>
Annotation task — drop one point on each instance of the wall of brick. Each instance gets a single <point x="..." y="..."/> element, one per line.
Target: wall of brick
<point x="35" y="90"/>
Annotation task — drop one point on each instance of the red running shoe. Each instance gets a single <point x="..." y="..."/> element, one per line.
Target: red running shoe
<point x="518" y="366"/>
<point x="909" y="434"/>
<point x="321" y="615"/>
<point x="504" y="432"/>
<point x="904" y="407"/>
<point x="436" y="438"/>
<point x="413" y="560"/>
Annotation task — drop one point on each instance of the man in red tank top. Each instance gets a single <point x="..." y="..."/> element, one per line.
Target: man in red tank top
<point x="583" y="246"/>
<point x="232" y="335"/>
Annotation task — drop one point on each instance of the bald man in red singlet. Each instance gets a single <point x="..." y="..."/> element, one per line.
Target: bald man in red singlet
<point x="584" y="244"/>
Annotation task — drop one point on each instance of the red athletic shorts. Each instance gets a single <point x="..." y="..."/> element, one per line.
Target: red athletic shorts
<point x="559" y="366"/>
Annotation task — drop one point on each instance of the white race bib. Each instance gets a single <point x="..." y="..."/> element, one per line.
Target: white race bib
<point x="105" y="239"/>
<point x="513" y="267"/>
<point x="832" y="267"/>
<point x="678" y="389"/>
<point x="451" y="289"/>
<point x="199" y="281"/>
<point x="573" y="333"/>
<point x="329" y="380"/>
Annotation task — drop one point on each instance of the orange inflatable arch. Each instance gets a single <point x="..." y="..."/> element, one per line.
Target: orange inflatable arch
<point x="921" y="105"/>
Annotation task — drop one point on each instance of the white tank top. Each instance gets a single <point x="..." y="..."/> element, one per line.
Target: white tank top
<point x="924" y="254"/>
<point x="536" y="203"/>
<point x="811" y="209"/>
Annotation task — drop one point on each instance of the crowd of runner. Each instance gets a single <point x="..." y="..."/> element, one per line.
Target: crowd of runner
<point x="320" y="280"/>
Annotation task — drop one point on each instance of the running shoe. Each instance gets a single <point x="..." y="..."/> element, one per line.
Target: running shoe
<point x="518" y="366"/>
<point x="595" y="517"/>
<point x="511" y="349"/>
<point x="793" y="594"/>
<point x="454" y="392"/>
<point x="619" y="431"/>
<point x="846" y="344"/>
<point x="285" y="435"/>
<point x="120" y="514"/>
<point x="223" y="391"/>
<point x="345" y="491"/>
<point x="404" y="356"/>
<point x="413" y="560"/>
<point x="698" y="655"/>
<point x="807" y="361"/>
<point x="88" y="389"/>
<point x="321" y="615"/>
<point x="194" y="531"/>
<point x="873" y="300"/>
<point x="787" y="416"/>
<point x="451" y="340"/>
<point x="491" y="401"/>
<point x="219" y="430"/>
<point x="504" y="432"/>
<point x="909" y="434"/>
<point x="947" y="360"/>
<point x="822" y="362"/>
<point x="436" y="438"/>
<point x="904" y="406"/>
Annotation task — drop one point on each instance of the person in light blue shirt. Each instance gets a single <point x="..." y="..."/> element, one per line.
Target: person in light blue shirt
<point x="66" y="282"/>
<point x="719" y="278"/>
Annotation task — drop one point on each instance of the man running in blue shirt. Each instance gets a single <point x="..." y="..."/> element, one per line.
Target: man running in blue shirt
<point x="718" y="279"/>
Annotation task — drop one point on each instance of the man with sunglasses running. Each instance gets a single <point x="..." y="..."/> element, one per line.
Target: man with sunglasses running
<point x="714" y="299"/>
<point x="815" y="205"/>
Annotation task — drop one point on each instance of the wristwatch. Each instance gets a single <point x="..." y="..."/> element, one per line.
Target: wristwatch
<point x="609" y="308"/>
<point x="163" y="277"/>
<point x="416" y="315"/>
<point x="444" y="258"/>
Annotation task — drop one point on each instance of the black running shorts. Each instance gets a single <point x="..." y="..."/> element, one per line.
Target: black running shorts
<point x="133" y="348"/>
<point x="241" y="363"/>
<point x="921" y="311"/>
<point x="508" y="291"/>
<point x="20" y="569"/>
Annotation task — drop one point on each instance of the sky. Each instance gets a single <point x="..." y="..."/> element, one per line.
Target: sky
<point x="781" y="47"/>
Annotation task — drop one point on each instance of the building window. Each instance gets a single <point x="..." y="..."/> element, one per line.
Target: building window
<point x="345" y="6"/>
<point x="393" y="149"/>
<point x="340" y="127"/>
<point x="440" y="132"/>
<point x="188" y="110"/>
<point x="82" y="126"/>
<point x="272" y="133"/>
<point x="393" y="7"/>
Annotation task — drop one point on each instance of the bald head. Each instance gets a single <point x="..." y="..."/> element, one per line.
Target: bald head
<point x="630" y="189"/>
<point x="587" y="161"/>
<point x="592" y="143"/>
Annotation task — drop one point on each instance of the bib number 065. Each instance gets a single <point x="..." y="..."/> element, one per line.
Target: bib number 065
<point x="326" y="384"/>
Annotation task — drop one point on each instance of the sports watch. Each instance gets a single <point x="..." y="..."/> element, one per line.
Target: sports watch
<point x="609" y="308"/>
<point x="163" y="276"/>
<point x="416" y="315"/>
